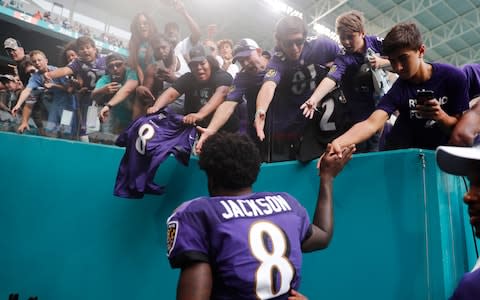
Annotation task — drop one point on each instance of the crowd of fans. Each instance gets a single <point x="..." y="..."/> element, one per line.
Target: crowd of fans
<point x="292" y="101"/>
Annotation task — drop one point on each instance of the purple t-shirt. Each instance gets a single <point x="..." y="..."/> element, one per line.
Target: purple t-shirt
<point x="89" y="72"/>
<point x="148" y="141"/>
<point x="450" y="89"/>
<point x="243" y="238"/>
<point x="355" y="84"/>
<point x="245" y="87"/>
<point x="469" y="287"/>
<point x="473" y="77"/>
<point x="296" y="81"/>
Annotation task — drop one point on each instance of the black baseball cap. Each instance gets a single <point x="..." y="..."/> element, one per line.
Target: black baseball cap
<point x="198" y="53"/>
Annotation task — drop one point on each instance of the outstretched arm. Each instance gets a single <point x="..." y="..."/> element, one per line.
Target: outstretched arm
<point x="221" y="116"/>
<point x="195" y="32"/>
<point x="322" y="225"/>
<point x="264" y="98"/>
<point x="326" y="86"/>
<point x="195" y="282"/>
<point x="167" y="97"/>
<point x="360" y="131"/>
<point x="217" y="98"/>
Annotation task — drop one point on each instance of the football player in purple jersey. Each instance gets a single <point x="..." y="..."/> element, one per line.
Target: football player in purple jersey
<point x="292" y="74"/>
<point x="240" y="244"/>
<point x="424" y="122"/>
<point x="357" y="85"/>
<point x="466" y="162"/>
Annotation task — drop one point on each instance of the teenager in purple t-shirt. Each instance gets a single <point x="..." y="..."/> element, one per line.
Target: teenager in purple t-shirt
<point x="292" y="74"/>
<point x="420" y="125"/>
<point x="240" y="244"/>
<point x="347" y="71"/>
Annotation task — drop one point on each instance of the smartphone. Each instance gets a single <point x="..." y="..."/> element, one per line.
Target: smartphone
<point x="424" y="95"/>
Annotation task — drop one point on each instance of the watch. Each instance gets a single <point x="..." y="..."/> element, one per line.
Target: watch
<point x="109" y="106"/>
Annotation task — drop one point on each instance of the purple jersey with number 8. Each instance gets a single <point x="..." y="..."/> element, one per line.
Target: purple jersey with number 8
<point x="252" y="242"/>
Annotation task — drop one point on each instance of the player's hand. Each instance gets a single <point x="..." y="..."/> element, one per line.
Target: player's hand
<point x="204" y="134"/>
<point x="15" y="109"/>
<point x="144" y="92"/>
<point x="104" y="113"/>
<point x="22" y="127"/>
<point x="330" y="164"/>
<point x="309" y="107"/>
<point x="294" y="295"/>
<point x="192" y="118"/>
<point x="259" y="123"/>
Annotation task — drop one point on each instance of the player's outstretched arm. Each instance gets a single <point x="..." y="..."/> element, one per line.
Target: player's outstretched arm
<point x="195" y="282"/>
<point x="322" y="226"/>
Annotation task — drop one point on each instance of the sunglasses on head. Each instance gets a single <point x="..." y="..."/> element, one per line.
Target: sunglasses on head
<point x="290" y="43"/>
<point x="115" y="65"/>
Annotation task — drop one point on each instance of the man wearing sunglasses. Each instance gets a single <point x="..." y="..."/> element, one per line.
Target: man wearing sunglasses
<point x="292" y="75"/>
<point x="115" y="90"/>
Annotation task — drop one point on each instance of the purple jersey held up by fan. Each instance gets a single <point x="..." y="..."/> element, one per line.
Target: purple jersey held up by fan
<point x="148" y="141"/>
<point x="255" y="234"/>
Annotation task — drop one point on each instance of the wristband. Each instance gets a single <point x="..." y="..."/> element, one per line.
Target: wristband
<point x="258" y="112"/>
<point x="109" y="106"/>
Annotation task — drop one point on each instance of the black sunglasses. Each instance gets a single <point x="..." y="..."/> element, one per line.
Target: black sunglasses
<point x="115" y="65"/>
<point x="290" y="43"/>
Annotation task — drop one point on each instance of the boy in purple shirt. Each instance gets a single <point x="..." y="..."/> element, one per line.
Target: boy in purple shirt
<point x="426" y="124"/>
<point x="357" y="85"/>
<point x="239" y="244"/>
<point x="292" y="74"/>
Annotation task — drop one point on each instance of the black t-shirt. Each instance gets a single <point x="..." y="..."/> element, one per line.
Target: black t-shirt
<point x="197" y="94"/>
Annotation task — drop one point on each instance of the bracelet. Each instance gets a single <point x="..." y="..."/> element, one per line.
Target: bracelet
<point x="258" y="112"/>
<point x="109" y="106"/>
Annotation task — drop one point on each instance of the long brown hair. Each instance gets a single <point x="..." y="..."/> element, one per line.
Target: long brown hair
<point x="136" y="39"/>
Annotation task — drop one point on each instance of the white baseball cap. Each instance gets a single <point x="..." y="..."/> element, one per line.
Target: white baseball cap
<point x="462" y="161"/>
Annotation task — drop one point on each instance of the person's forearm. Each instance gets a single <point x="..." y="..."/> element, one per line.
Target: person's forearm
<point x="265" y="96"/>
<point x="23" y="96"/>
<point x="323" y="217"/>
<point x="126" y="90"/>
<point x="222" y="114"/>
<point x="358" y="133"/>
<point x="195" y="32"/>
<point x="326" y="86"/>
<point x="27" y="112"/>
<point x="447" y="123"/>
<point x="167" y="97"/>
<point x="60" y="72"/>
<point x="217" y="98"/>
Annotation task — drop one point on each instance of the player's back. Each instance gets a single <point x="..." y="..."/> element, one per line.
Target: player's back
<point x="252" y="242"/>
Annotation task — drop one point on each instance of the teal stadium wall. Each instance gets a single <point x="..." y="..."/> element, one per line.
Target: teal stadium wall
<point x="400" y="225"/>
